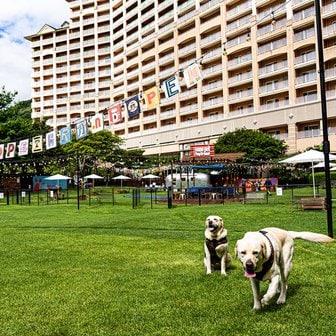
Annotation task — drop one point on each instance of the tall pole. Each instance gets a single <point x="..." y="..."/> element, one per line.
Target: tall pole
<point x="326" y="145"/>
<point x="78" y="169"/>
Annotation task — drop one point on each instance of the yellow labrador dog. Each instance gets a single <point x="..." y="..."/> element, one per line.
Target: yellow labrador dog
<point x="267" y="255"/>
<point x="216" y="254"/>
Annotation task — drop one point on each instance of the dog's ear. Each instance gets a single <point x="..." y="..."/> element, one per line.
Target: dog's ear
<point x="263" y="249"/>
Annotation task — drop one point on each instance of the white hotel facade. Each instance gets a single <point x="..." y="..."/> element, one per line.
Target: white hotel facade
<point x="259" y="62"/>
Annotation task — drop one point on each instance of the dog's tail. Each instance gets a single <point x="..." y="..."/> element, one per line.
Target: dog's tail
<point x="311" y="236"/>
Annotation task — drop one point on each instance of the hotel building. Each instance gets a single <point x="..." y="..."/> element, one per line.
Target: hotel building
<point x="258" y="59"/>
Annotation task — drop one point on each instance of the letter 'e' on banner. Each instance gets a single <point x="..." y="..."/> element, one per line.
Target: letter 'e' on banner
<point x="23" y="147"/>
<point x="171" y="87"/>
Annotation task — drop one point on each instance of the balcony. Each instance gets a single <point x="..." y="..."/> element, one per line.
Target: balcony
<point x="273" y="45"/>
<point x="273" y="68"/>
<point x="273" y="105"/>
<point x="241" y="95"/>
<point x="306" y="78"/>
<point x="240" y="9"/>
<point x="273" y="86"/>
<point x="306" y="58"/>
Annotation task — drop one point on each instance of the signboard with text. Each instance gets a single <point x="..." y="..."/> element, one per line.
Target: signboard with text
<point x="201" y="150"/>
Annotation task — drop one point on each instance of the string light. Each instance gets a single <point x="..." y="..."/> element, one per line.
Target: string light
<point x="224" y="49"/>
<point x="273" y="23"/>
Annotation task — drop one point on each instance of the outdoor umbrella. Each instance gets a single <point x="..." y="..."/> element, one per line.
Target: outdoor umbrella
<point x="121" y="178"/>
<point x="309" y="156"/>
<point x="93" y="177"/>
<point x="150" y="177"/>
<point x="58" y="177"/>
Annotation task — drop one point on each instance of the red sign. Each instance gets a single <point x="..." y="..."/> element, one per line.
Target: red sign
<point x="202" y="150"/>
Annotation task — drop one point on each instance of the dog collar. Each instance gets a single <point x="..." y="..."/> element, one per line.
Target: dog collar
<point x="268" y="264"/>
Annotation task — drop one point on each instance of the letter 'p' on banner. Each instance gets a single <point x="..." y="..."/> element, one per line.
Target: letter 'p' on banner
<point x="10" y="150"/>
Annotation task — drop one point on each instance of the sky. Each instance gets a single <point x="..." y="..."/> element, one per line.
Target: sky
<point x="20" y="18"/>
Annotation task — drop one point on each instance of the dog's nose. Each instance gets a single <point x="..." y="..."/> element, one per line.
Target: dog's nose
<point x="210" y="222"/>
<point x="249" y="266"/>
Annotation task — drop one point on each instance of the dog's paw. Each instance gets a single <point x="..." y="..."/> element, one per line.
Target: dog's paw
<point x="257" y="306"/>
<point x="264" y="301"/>
<point x="281" y="300"/>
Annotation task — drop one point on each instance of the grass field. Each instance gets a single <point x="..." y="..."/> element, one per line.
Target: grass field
<point x="113" y="270"/>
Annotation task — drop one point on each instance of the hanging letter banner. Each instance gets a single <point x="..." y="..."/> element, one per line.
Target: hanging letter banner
<point x="132" y="106"/>
<point x="51" y="140"/>
<point x="114" y="114"/>
<point x="81" y="130"/>
<point x="171" y="87"/>
<point x="23" y="147"/>
<point x="192" y="74"/>
<point x="2" y="151"/>
<point x="65" y="135"/>
<point x="37" y="144"/>
<point x="97" y="123"/>
<point x="10" y="150"/>
<point x="152" y="97"/>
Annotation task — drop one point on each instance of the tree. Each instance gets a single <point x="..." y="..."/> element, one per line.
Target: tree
<point x="100" y="147"/>
<point x="15" y="119"/>
<point x="255" y="144"/>
<point x="6" y="100"/>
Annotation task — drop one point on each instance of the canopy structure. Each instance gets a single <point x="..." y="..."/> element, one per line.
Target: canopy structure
<point x="58" y="177"/>
<point x="150" y="177"/>
<point x="322" y="165"/>
<point x="213" y="166"/>
<point x="310" y="156"/>
<point x="93" y="177"/>
<point x="121" y="178"/>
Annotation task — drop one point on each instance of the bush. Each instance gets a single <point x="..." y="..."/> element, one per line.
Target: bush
<point x="320" y="177"/>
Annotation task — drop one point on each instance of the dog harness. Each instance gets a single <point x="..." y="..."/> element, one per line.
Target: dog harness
<point x="211" y="245"/>
<point x="268" y="264"/>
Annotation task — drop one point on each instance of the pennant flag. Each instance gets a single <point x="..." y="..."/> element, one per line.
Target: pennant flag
<point x="81" y="129"/>
<point x="133" y="106"/>
<point x="192" y="74"/>
<point x="37" y="144"/>
<point x="2" y="151"/>
<point x="114" y="114"/>
<point x="65" y="135"/>
<point x="152" y="97"/>
<point x="97" y="123"/>
<point x="171" y="87"/>
<point x="51" y="140"/>
<point x="10" y="150"/>
<point x="23" y="147"/>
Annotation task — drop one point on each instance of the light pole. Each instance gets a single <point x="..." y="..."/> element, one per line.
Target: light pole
<point x="326" y="145"/>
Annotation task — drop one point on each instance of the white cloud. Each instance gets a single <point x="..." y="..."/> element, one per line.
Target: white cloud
<point x="20" y="18"/>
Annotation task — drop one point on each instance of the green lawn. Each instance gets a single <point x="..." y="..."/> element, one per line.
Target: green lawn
<point x="113" y="270"/>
